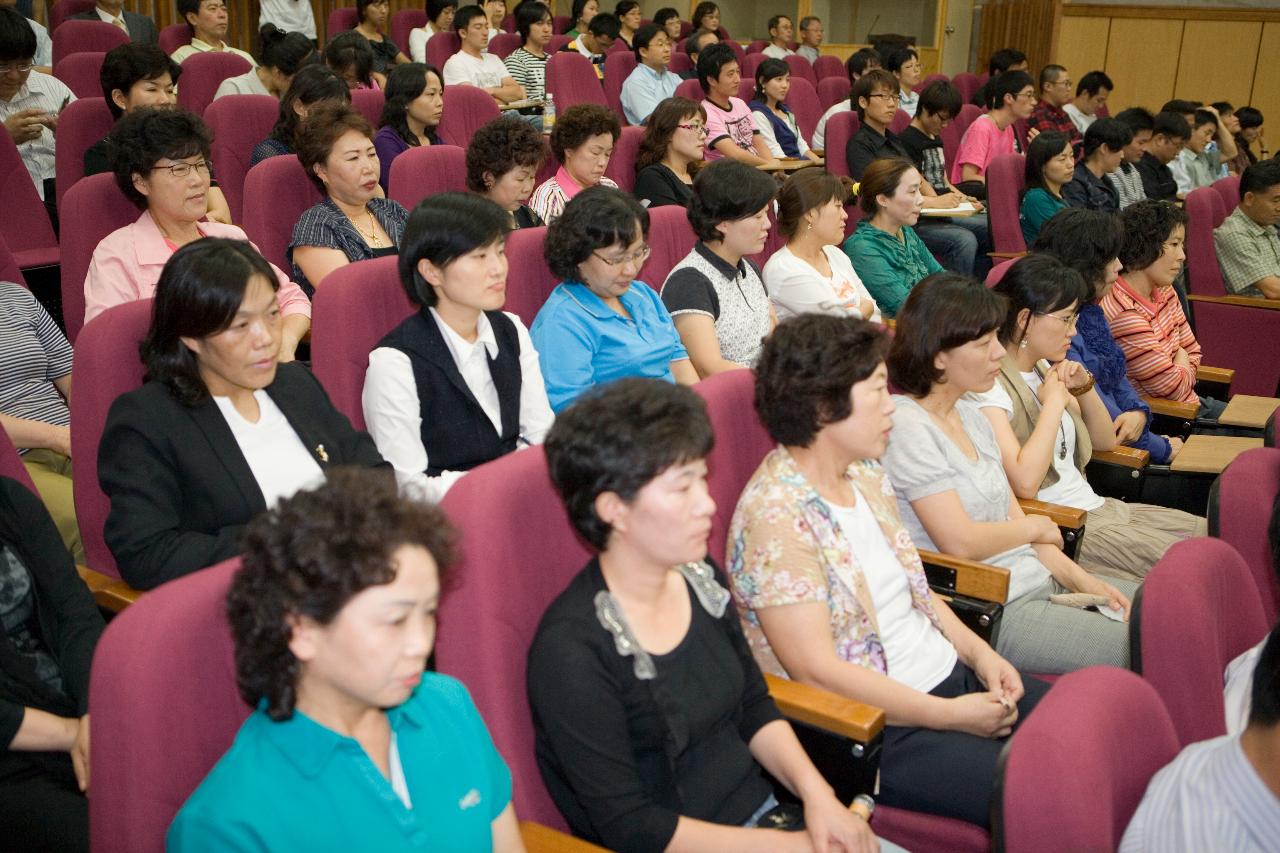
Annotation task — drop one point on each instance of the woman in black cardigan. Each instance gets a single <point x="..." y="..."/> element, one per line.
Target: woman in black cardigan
<point x="671" y="152"/>
<point x="221" y="430"/>
<point x="653" y="723"/>
<point x="49" y="626"/>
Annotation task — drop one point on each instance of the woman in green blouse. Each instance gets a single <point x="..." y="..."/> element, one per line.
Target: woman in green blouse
<point x="885" y="251"/>
<point x="1050" y="165"/>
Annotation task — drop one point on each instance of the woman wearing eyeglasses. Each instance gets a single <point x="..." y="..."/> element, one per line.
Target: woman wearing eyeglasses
<point x="160" y="157"/>
<point x="600" y="323"/>
<point x="671" y="152"/>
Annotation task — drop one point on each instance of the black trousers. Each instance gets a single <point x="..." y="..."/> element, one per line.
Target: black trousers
<point x="947" y="773"/>
<point x="41" y="807"/>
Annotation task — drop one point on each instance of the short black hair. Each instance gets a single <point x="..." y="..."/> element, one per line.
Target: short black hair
<point x="727" y="191"/>
<point x="1086" y="240"/>
<point x="285" y="52"/>
<point x="1003" y="59"/>
<point x="1264" y="697"/>
<point x="806" y="190"/>
<point x="465" y="15"/>
<point x="350" y="50"/>
<point x="617" y="438"/>
<point x="199" y="293"/>
<point x="1136" y="119"/>
<point x="500" y="146"/>
<point x="1249" y="117"/>
<point x="900" y="57"/>
<point x="1148" y="225"/>
<point x="1204" y="117"/>
<point x="1009" y="83"/>
<point x="711" y="60"/>
<point x="441" y="229"/>
<point x="665" y="14"/>
<point x="1093" y="83"/>
<point x="1110" y="132"/>
<point x="1040" y="151"/>
<point x="1171" y="124"/>
<point x="579" y="6"/>
<point x="436" y="8"/>
<point x="859" y="60"/>
<point x="143" y="137"/>
<point x="806" y="369"/>
<point x="1260" y="177"/>
<point x="594" y="219"/>
<point x="529" y="13"/>
<point x="768" y="70"/>
<point x="645" y="34"/>
<point x="1050" y="73"/>
<point x="943" y="311"/>
<point x="1180" y="105"/>
<point x="940" y="98"/>
<point x="1223" y="107"/>
<point x="126" y="65"/>
<point x="578" y="124"/>
<point x="604" y="24"/>
<point x="624" y="7"/>
<point x="311" y="85"/>
<point x="775" y="20"/>
<point x="1038" y="283"/>
<point x="187" y="7"/>
<point x="866" y="85"/>
<point x="693" y="44"/>
<point x="17" y="39"/>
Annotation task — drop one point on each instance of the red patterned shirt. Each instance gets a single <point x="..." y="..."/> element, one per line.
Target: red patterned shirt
<point x="1150" y="331"/>
<point x="1046" y="118"/>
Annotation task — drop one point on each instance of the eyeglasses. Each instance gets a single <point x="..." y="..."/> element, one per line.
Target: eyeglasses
<point x="884" y="95"/>
<point x="182" y="170"/>
<point x="637" y="256"/>
<point x="696" y="127"/>
<point x="21" y="68"/>
<point x="1028" y="95"/>
<point x="1068" y="321"/>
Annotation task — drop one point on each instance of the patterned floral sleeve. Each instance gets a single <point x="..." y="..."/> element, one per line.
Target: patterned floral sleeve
<point x="772" y="559"/>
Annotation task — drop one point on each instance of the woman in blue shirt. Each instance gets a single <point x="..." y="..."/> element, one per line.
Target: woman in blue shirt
<point x="352" y="746"/>
<point x="597" y="325"/>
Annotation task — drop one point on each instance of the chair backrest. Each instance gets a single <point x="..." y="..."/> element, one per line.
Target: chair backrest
<point x="358" y="305"/>
<point x="561" y="24"/>
<point x="11" y="463"/>
<point x="92" y="209"/>
<point x="422" y="172"/>
<point x="504" y="44"/>
<point x="9" y="269"/>
<point x="840" y="129"/>
<point x="756" y="46"/>
<point x="549" y="166"/>
<point x="801" y="69"/>
<point x="617" y="68"/>
<point x="692" y="90"/>
<point x="466" y="110"/>
<point x="529" y="280"/>
<point x="1197" y="610"/>
<point x="1205" y="212"/>
<point x="557" y="42"/>
<point x="571" y="79"/>
<point x="750" y="63"/>
<point x="680" y="63"/>
<point x="506" y="581"/>
<point x="804" y="103"/>
<point x="830" y="66"/>
<point x="403" y="22"/>
<point x="175" y="36"/>
<point x="1098" y="779"/>
<point x="341" y="19"/>
<point x="968" y="84"/>
<point x="1021" y="131"/>
<point x="81" y="72"/>
<point x="930" y="80"/>
<point x="276" y="193"/>
<point x="1005" y="180"/>
<point x="80" y="125"/>
<point x="671" y="238"/>
<point x="369" y="103"/>
<point x="1246" y="492"/>
<point x="64" y="9"/>
<point x="901" y="119"/>
<point x="85" y="37"/>
<point x="106" y="365"/>
<point x="737" y="48"/>
<point x="166" y="664"/>
<point x="440" y="47"/>
<point x="831" y="91"/>
<point x="741" y="444"/>
<point x="997" y="272"/>
<point x="954" y="131"/>
<point x="203" y="73"/>
<point x="746" y="90"/>
<point x="25" y="225"/>
<point x="622" y="165"/>
<point x="239" y="123"/>
<point x="1228" y="190"/>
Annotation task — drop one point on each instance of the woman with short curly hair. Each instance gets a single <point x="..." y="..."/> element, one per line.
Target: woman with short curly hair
<point x="503" y="159"/>
<point x="582" y="142"/>
<point x="333" y="613"/>
<point x="671" y="152"/>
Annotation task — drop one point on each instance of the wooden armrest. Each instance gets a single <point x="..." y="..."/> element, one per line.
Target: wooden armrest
<point x="1220" y="375"/>
<point x="889" y="323"/>
<point x="1242" y="301"/>
<point x="825" y="710"/>
<point x="1063" y="516"/>
<point x="1009" y="255"/>
<point x="543" y="839"/>
<point x="110" y="593"/>
<point x="1172" y="408"/>
<point x="973" y="579"/>
<point x="1126" y="457"/>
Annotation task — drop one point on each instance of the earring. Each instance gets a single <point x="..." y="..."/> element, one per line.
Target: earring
<point x="1023" y="345"/>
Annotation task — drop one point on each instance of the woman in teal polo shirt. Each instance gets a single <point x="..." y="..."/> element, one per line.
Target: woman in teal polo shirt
<point x="600" y="324"/>
<point x="352" y="746"/>
<point x="884" y="249"/>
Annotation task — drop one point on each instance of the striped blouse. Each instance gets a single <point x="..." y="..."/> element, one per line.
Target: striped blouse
<point x="1150" y="333"/>
<point x="529" y="71"/>
<point x="326" y="226"/>
<point x="33" y="353"/>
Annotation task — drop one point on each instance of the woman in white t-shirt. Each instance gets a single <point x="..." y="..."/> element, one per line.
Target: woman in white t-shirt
<point x="439" y="20"/>
<point x="811" y="273"/>
<point x="1048" y="419"/>
<point x="831" y="588"/>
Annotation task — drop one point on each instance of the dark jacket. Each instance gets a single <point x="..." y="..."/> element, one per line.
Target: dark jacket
<point x="658" y="186"/>
<point x="1157" y="178"/>
<point x="142" y="30"/>
<point x="181" y="491"/>
<point x="1087" y="190"/>
<point x="867" y="145"/>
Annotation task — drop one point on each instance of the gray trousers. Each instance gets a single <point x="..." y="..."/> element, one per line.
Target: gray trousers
<point x="1039" y="637"/>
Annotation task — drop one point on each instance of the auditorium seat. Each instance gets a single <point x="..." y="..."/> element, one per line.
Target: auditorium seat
<point x="238" y="124"/>
<point x="1196" y="611"/>
<point x="618" y="66"/>
<point x="692" y="90"/>
<point x="529" y="280"/>
<point x="203" y="73"/>
<point x="466" y="110"/>
<point x="968" y="84"/>
<point x="830" y="66"/>
<point x="9" y="269"/>
<point x="1005" y="180"/>
<point x="25" y="225"/>
<point x="750" y="64"/>
<point x="85" y="37"/>
<point x="93" y="208"/>
<point x="11" y="462"/>
<point x="81" y="72"/>
<point x="804" y="103"/>
<point x="801" y="69"/>
<point x="832" y="90"/>
<point x="561" y="24"/>
<point x="80" y="126"/>
<point x="571" y="79"/>
<point x="367" y="102"/>
<point x="403" y="22"/>
<point x="422" y="172"/>
<point x="746" y="90"/>
<point x="440" y="47"/>
<point x="1228" y="190"/>
<point x="928" y="81"/>
<point x="622" y="164"/>
<point x="756" y="46"/>
<point x="557" y="42"/>
<point x="680" y="63"/>
<point x="671" y="238"/>
<point x="901" y="118"/>
<point x="1240" y="513"/>
<point x="175" y="36"/>
<point x="840" y="129"/>
<point x="341" y="19"/>
<point x="64" y="9"/>
<point x="504" y="44"/>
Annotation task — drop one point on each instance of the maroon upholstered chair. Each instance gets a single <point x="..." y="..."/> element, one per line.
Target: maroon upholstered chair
<point x="680" y="63"/>
<point x="11" y="463"/>
<point x="85" y="37"/>
<point x="671" y="237"/>
<point x="557" y="42"/>
<point x="175" y="36"/>
<point x="509" y="24"/>
<point x="466" y="110"/>
<point x="1228" y="190"/>
<point x="931" y="79"/>
<point x="341" y="19"/>
<point x="756" y="46"/>
<point x="954" y="131"/>
<point x="92" y="209"/>
<point x="830" y="66"/>
<point x="840" y="129"/>
<point x="901" y="119"/>
<point x="80" y="125"/>
<point x="549" y="166"/>
<point x="1241" y="513"/>
<point x="238" y="122"/>
<point x="997" y="272"/>
<point x="106" y="365"/>
<point x="164" y="665"/>
<point x="9" y="269"/>
<point x="1098" y="780"/>
<point x="358" y="305"/>
<point x="203" y="73"/>
<point x="801" y="69"/>
<point x="1005" y="180"/>
<point x="403" y="22"/>
<point x="750" y="63"/>
<point x="968" y="83"/>
<point x="25" y="225"/>
<point x="81" y="72"/>
<point x="561" y="24"/>
<point x="1205" y="212"/>
<point x="440" y="47"/>
<point x="276" y="193"/>
<point x="618" y="66"/>
<point x="571" y="79"/>
<point x="622" y="165"/>
<point x="504" y="44"/>
<point x="832" y="90"/>
<point x="746" y="90"/>
<point x="64" y="9"/>
<point x="367" y="102"/>
<point x="422" y="172"/>
<point x="804" y="103"/>
<point x="529" y="280"/>
<point x="692" y="90"/>
<point x="1197" y="610"/>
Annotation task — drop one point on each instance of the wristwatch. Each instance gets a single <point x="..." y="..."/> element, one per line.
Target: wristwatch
<point x="1083" y="389"/>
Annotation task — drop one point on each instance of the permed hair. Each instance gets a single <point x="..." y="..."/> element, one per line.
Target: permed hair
<point x="942" y="312"/>
<point x="1147" y="226"/>
<point x="578" y="124"/>
<point x="594" y="219"/>
<point x="1085" y="240"/>
<point x="500" y="146"/>
<point x="321" y="130"/>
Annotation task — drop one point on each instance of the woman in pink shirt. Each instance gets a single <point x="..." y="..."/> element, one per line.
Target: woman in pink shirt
<point x="582" y="142"/>
<point x="1012" y="97"/>
<point x="161" y="162"/>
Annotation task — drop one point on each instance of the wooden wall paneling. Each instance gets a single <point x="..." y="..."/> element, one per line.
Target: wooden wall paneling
<point x="1218" y="60"/>
<point x="1082" y="45"/>
<point x="1142" y="60"/>
<point x="1266" y="84"/>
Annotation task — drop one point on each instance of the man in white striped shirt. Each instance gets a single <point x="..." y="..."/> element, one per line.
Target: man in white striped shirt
<point x="1223" y="793"/>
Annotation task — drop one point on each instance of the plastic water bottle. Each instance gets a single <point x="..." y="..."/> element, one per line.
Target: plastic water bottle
<point x="548" y="112"/>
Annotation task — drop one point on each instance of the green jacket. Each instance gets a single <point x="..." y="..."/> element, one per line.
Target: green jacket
<point x="889" y="266"/>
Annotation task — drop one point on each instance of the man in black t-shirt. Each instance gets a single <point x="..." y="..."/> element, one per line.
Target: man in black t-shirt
<point x="1170" y="133"/>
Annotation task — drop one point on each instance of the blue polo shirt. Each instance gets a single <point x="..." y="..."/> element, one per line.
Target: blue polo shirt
<point x="297" y="785"/>
<point x="583" y="342"/>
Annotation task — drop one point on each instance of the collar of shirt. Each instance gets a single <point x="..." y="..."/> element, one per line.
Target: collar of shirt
<point x="720" y="264"/>
<point x="462" y="349"/>
<point x="107" y="18"/>
<point x="148" y="243"/>
<point x="1129" y="298"/>
<point x="567" y="184"/>
<point x="1259" y="809"/>
<point x="594" y="305"/>
<point x="205" y="47"/>
<point x="308" y="745"/>
<point x="1244" y="223"/>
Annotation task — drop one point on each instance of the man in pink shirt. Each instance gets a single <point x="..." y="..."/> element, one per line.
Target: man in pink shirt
<point x="1012" y="97"/>
<point x="731" y="130"/>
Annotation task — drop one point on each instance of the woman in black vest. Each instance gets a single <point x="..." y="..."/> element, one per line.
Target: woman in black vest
<point x="469" y="364"/>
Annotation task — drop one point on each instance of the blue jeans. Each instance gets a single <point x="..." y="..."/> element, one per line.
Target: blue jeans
<point x="960" y="244"/>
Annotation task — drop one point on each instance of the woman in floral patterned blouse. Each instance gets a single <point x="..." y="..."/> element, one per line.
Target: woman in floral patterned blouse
<point x="831" y="588"/>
